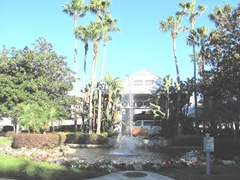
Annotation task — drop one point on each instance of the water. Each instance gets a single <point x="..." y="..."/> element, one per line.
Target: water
<point x="128" y="152"/>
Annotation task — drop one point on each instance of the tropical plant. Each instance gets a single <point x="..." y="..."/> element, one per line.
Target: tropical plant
<point x="34" y="75"/>
<point x="83" y="33"/>
<point x="221" y="15"/>
<point x="99" y="7"/>
<point x="189" y="8"/>
<point x="114" y="87"/>
<point x="173" y="24"/>
<point x="95" y="36"/>
<point x="107" y="26"/>
<point x="200" y="38"/>
<point x="167" y="84"/>
<point x="75" y="8"/>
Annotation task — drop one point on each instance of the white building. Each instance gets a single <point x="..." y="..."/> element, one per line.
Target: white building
<point x="137" y="88"/>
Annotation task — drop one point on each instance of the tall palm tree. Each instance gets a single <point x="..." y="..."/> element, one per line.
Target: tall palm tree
<point x="199" y="37"/>
<point x="173" y="24"/>
<point x="99" y="7"/>
<point x="114" y="86"/>
<point x="75" y="8"/>
<point x="189" y="8"/>
<point x="83" y="33"/>
<point x="220" y="15"/>
<point x="95" y="36"/>
<point x="107" y="26"/>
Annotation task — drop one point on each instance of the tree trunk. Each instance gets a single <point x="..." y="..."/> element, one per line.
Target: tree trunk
<point x="99" y="119"/>
<point x="94" y="68"/>
<point x="75" y="65"/>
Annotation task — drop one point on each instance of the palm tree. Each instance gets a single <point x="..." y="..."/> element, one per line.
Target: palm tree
<point x="99" y="7"/>
<point x="188" y="8"/>
<point x="167" y="84"/>
<point x="83" y="33"/>
<point x="95" y="36"/>
<point x="107" y="26"/>
<point x="114" y="86"/>
<point x="220" y="15"/>
<point x="75" y="8"/>
<point x="199" y="37"/>
<point x="173" y="24"/>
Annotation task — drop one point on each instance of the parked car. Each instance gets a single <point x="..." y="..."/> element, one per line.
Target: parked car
<point x="7" y="128"/>
<point x="146" y="128"/>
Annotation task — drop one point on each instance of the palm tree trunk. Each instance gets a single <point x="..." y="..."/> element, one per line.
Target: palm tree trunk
<point x="75" y="66"/>
<point x="100" y="92"/>
<point x="176" y="61"/>
<point x="178" y="83"/>
<point x="83" y="85"/>
<point x="195" y="91"/>
<point x="195" y="83"/>
<point x="94" y="68"/>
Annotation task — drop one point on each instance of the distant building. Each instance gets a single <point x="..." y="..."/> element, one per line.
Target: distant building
<point x="137" y="89"/>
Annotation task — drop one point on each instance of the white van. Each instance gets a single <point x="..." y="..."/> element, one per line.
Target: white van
<point x="146" y="128"/>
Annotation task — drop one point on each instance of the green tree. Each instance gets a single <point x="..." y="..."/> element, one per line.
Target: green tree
<point x="189" y="8"/>
<point x="200" y="38"/>
<point x="107" y="26"/>
<point x="83" y="33"/>
<point x="75" y="8"/>
<point x="99" y="7"/>
<point x="34" y="75"/>
<point x="222" y="79"/>
<point x="95" y="36"/>
<point x="114" y="87"/>
<point x="220" y="15"/>
<point x="167" y="84"/>
<point x="173" y="24"/>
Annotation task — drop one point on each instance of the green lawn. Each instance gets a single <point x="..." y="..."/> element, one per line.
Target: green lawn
<point x="218" y="172"/>
<point x="19" y="168"/>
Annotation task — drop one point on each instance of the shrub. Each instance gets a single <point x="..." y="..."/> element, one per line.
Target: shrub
<point x="37" y="140"/>
<point x="85" y="139"/>
<point x="187" y="140"/>
<point x="10" y="134"/>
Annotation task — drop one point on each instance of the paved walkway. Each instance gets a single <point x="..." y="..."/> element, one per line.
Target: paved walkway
<point x="138" y="175"/>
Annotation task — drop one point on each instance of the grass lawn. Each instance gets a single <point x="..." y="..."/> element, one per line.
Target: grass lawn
<point x="218" y="172"/>
<point x="20" y="168"/>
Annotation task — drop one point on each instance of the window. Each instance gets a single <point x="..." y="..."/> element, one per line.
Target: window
<point x="138" y="83"/>
<point x="149" y="82"/>
<point x="138" y="123"/>
<point x="147" y="123"/>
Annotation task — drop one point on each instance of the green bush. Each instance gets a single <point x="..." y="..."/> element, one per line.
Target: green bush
<point x="38" y="140"/>
<point x="85" y="138"/>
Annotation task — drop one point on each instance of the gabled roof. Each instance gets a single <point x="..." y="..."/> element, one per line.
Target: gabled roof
<point x="143" y="72"/>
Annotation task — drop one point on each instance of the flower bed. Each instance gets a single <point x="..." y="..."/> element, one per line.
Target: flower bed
<point x="60" y="157"/>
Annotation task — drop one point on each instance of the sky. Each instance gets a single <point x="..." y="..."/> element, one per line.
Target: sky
<point x="139" y="44"/>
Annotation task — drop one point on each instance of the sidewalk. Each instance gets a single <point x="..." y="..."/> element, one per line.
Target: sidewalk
<point x="139" y="175"/>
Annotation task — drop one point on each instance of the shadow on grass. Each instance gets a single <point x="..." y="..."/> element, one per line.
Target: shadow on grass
<point x="19" y="168"/>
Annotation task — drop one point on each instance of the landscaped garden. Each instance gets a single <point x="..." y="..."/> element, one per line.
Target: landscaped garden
<point x="39" y="91"/>
<point x="54" y="163"/>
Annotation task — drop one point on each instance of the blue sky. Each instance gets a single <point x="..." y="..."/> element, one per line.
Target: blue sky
<point x="139" y="45"/>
